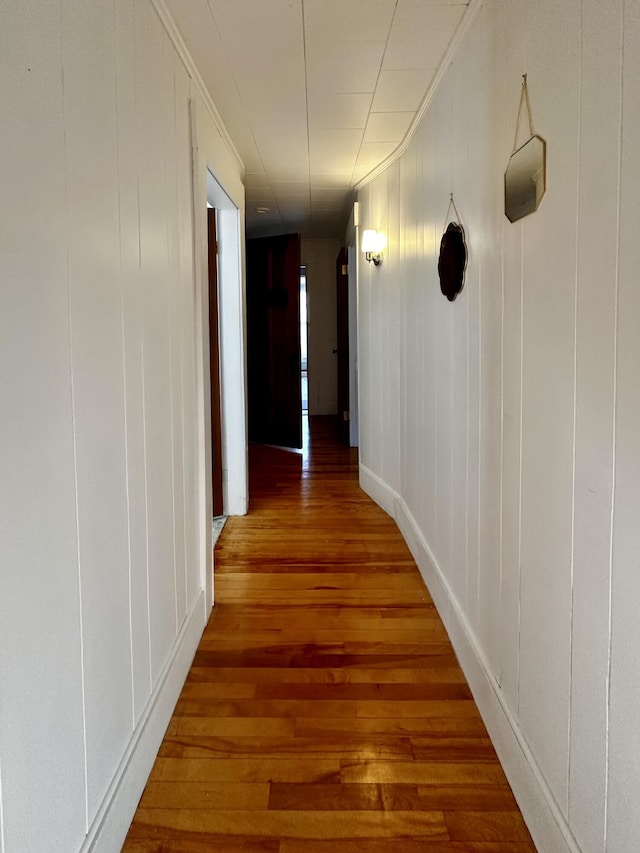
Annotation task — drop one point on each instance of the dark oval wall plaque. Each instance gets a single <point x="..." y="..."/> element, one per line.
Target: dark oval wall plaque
<point x="452" y="262"/>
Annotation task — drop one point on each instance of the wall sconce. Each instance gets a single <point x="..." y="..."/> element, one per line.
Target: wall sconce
<point x="372" y="245"/>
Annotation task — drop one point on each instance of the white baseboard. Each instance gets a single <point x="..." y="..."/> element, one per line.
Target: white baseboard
<point x="547" y="824"/>
<point x="108" y="830"/>
<point x="378" y="490"/>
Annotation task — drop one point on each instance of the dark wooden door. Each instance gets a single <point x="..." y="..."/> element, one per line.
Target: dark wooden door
<point x="342" y="301"/>
<point x="273" y="340"/>
<point x="214" y="364"/>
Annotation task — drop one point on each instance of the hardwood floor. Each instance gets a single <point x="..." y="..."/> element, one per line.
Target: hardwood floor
<point x="325" y="711"/>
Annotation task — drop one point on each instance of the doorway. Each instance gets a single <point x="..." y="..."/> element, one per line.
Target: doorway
<point x="214" y="367"/>
<point x="273" y="340"/>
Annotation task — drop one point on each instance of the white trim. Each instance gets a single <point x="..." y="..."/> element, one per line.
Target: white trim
<point x="462" y="29"/>
<point x="192" y="70"/>
<point x="109" y="828"/>
<point x="352" y="242"/>
<point x="544" y="818"/>
<point x="352" y="283"/>
<point x="232" y="312"/>
<point x="203" y="380"/>
<point x="378" y="490"/>
<point x="1" y="815"/>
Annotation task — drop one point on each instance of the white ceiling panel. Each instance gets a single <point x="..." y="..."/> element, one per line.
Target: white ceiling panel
<point x="268" y="219"/>
<point x="314" y="93"/>
<point x="329" y="180"/>
<point x="264" y="48"/>
<point x="373" y="153"/>
<point x="344" y="67"/>
<point x="399" y="90"/>
<point x="197" y="27"/>
<point x="293" y="201"/>
<point x="420" y="35"/>
<point x="332" y="163"/>
<point x="335" y="141"/>
<point x="432" y="3"/>
<point x="322" y="215"/>
<point x="258" y="199"/>
<point x="291" y="187"/>
<point x="256" y="179"/>
<point x="255" y="29"/>
<point x="290" y="163"/>
<point x="336" y="110"/>
<point x="327" y="197"/>
<point x="326" y="207"/>
<point x="284" y="172"/>
<point x="250" y="155"/>
<point x="288" y="210"/>
<point x="356" y="20"/>
<point x="268" y="122"/>
<point x="387" y="127"/>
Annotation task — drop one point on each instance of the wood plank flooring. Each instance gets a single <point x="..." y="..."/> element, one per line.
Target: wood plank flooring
<point x="325" y="711"/>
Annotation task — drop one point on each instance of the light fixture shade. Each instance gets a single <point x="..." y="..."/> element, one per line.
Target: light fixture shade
<point x="370" y="241"/>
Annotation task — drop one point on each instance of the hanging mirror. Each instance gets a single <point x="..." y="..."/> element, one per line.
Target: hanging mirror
<point x="452" y="261"/>
<point x="525" y="179"/>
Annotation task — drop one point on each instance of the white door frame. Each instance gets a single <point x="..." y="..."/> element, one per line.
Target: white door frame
<point x="232" y="345"/>
<point x="232" y="319"/>
<point x="353" y="262"/>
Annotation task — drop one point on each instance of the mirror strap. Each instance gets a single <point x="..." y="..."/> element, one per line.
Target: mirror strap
<point x="524" y="96"/>
<point x="446" y="218"/>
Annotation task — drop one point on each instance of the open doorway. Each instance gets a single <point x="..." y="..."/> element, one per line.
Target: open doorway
<point x="273" y="340"/>
<point x="214" y="370"/>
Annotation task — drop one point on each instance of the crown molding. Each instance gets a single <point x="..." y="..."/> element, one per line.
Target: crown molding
<point x="461" y="30"/>
<point x="173" y="32"/>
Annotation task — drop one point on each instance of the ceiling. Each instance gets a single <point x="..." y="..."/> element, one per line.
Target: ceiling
<point x="314" y="93"/>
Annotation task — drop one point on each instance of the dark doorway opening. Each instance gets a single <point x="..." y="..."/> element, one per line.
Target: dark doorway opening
<point x="273" y="340"/>
<point x="214" y="367"/>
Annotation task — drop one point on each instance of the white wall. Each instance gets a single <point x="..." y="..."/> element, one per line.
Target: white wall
<point x="319" y="256"/>
<point x="502" y="429"/>
<point x="102" y="567"/>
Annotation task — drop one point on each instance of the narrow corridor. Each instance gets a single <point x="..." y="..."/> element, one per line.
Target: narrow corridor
<point x="325" y="711"/>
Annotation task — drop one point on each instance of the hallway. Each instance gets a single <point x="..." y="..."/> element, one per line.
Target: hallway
<point x="324" y="710"/>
